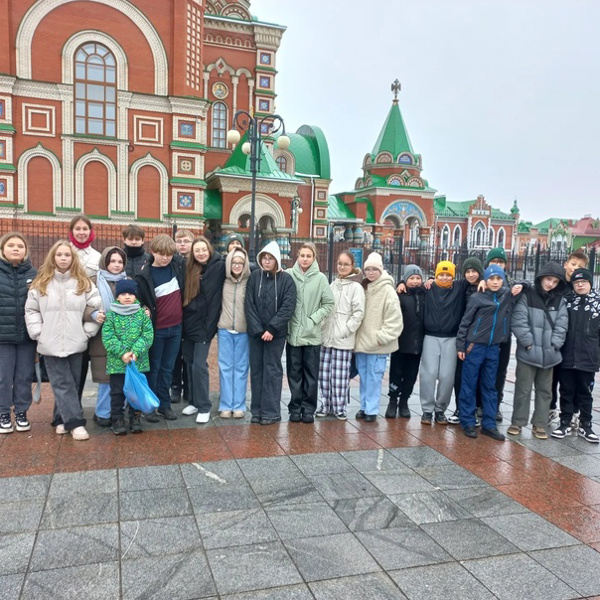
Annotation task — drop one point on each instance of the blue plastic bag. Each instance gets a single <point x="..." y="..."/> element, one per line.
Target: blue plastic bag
<point x="137" y="391"/>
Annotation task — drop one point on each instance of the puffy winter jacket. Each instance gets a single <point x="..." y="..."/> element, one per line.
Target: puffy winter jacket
<point x="201" y="315"/>
<point x="136" y="259"/>
<point x="382" y="324"/>
<point x="233" y="313"/>
<point x="412" y="303"/>
<point x="314" y="303"/>
<point x="14" y="285"/>
<point x="55" y="320"/>
<point x="339" y="328"/>
<point x="89" y="258"/>
<point x="540" y="321"/>
<point x="444" y="308"/>
<point x="581" y="350"/>
<point x="270" y="298"/>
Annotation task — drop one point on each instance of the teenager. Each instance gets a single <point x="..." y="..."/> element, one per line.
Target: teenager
<point x="133" y="246"/>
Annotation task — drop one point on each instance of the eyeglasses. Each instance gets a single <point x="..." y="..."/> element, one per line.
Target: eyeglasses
<point x="580" y="282"/>
<point x="371" y="269"/>
<point x="237" y="264"/>
<point x="268" y="258"/>
<point x="344" y="264"/>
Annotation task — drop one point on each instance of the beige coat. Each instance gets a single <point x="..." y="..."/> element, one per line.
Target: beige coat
<point x="89" y="259"/>
<point x="233" y="313"/>
<point x="382" y="324"/>
<point x="339" y="329"/>
<point x="55" y="320"/>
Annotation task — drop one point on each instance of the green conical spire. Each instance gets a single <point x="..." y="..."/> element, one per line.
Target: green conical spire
<point x="393" y="137"/>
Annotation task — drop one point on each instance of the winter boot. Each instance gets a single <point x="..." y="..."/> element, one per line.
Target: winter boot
<point x="118" y="425"/>
<point x="392" y="408"/>
<point x="403" y="410"/>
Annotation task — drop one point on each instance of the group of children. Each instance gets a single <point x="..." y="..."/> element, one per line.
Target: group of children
<point x="162" y="309"/>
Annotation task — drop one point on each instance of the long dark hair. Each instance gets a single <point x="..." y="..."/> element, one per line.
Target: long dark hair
<point x="194" y="270"/>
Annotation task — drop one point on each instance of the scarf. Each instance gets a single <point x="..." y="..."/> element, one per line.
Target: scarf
<point x="125" y="310"/>
<point x="134" y="251"/>
<point x="102" y="280"/>
<point x="444" y="284"/>
<point x="85" y="244"/>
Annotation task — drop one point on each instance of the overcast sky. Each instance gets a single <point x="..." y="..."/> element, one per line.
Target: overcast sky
<point x="501" y="98"/>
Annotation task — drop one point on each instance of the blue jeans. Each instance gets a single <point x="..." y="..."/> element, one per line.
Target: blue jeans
<point x="481" y="362"/>
<point x="371" y="368"/>
<point x="233" y="369"/>
<point x="103" y="401"/>
<point x="163" y="353"/>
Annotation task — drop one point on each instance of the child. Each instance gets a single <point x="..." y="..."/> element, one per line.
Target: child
<point x="313" y="305"/>
<point x="184" y="239"/>
<point x="485" y="325"/>
<point x="377" y="335"/>
<point x="59" y="298"/>
<point x="233" y="339"/>
<point x="540" y="322"/>
<point x="17" y="351"/>
<point x="133" y="246"/>
<point x="580" y="357"/>
<point x="404" y="362"/>
<point x="127" y="335"/>
<point x="270" y="302"/>
<point x="160" y="283"/>
<point x="233" y="240"/>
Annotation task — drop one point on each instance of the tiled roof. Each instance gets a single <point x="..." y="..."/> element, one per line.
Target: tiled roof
<point x="393" y="137"/>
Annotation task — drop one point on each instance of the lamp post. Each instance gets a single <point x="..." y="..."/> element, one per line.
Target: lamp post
<point x="253" y="125"/>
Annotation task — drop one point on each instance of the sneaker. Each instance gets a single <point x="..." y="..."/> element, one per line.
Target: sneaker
<point x="440" y="418"/>
<point x="370" y="418"/>
<point x="477" y="421"/>
<point x="392" y="410"/>
<point x="499" y="417"/>
<point x="587" y="433"/>
<point x="175" y="396"/>
<point x="514" y="430"/>
<point x="341" y="416"/>
<point x="320" y="413"/>
<point x="540" y="433"/>
<point x="203" y="418"/>
<point x="60" y="429"/>
<point x="403" y="410"/>
<point x="306" y="418"/>
<point x="295" y="417"/>
<point x="270" y="421"/>
<point x="168" y="414"/>
<point x="80" y="434"/>
<point x="225" y="414"/>
<point x="190" y="409"/>
<point x="238" y="414"/>
<point x="118" y="425"/>
<point x="21" y="422"/>
<point x="360" y="415"/>
<point x="151" y="417"/>
<point x="6" y="425"/>
<point x="454" y="419"/>
<point x="494" y="434"/>
<point x="553" y="416"/>
<point x="427" y="418"/>
<point x="101" y="421"/>
<point x="135" y="424"/>
<point x="563" y="430"/>
<point x="470" y="432"/>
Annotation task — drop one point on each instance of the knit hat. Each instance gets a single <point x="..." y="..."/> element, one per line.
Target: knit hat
<point x="411" y="270"/>
<point x="494" y="270"/>
<point x="374" y="260"/>
<point x="496" y="253"/>
<point x="472" y="263"/>
<point x="582" y="274"/>
<point x="232" y="237"/>
<point x="445" y="266"/>
<point x="126" y="286"/>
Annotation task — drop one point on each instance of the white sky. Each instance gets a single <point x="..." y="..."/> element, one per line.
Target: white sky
<point x="501" y="98"/>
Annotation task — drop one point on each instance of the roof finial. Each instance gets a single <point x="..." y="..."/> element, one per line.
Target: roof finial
<point x="396" y="89"/>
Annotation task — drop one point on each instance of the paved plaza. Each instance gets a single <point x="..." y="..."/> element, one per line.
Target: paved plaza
<point x="334" y="510"/>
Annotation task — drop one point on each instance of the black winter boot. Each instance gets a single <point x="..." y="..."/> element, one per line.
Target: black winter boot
<point x="118" y="425"/>
<point x="392" y="408"/>
<point x="403" y="408"/>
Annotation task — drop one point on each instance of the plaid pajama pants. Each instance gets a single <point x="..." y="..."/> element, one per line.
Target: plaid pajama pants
<point x="334" y="380"/>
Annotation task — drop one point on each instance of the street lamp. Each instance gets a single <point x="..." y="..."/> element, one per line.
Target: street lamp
<point x="243" y="119"/>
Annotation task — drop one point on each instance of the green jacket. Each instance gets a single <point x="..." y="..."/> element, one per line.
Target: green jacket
<point x="122" y="334"/>
<point x="314" y="303"/>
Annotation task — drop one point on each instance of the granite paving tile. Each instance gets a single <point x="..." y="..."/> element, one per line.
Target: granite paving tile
<point x="305" y="520"/>
<point x="354" y="441"/>
<point x="20" y="517"/>
<point x="261" y="468"/>
<point x="485" y="502"/>
<point x="587" y="464"/>
<point x="375" y="460"/>
<point x="338" y="486"/>
<point x="449" y="477"/>
<point x="252" y="567"/>
<point x="368" y="586"/>
<point x="288" y="592"/>
<point x="212" y="474"/>
<point x="21" y="489"/>
<point x="440" y="582"/>
<point x="468" y="538"/>
<point x="157" y="537"/>
<point x="330" y="556"/>
<point x="75" y="546"/>
<point x="317" y="464"/>
<point x="551" y="448"/>
<point x="429" y="507"/>
<point x="235" y="528"/>
<point x="65" y="485"/>
<point x="402" y="547"/>
<point x="518" y="576"/>
<point x="223" y="498"/>
<point x="10" y="586"/>
<point x="283" y="489"/>
<point x="96" y="581"/>
<point x="15" y="550"/>
<point x="152" y="504"/>
<point x="362" y="514"/>
<point x="420" y="457"/>
<point x="148" y="478"/>
<point x="539" y="498"/>
<point x="582" y="522"/>
<point x="403" y="481"/>
<point x="84" y="509"/>
<point x="184" y="575"/>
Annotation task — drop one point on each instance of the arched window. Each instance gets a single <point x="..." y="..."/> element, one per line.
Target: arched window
<point x="479" y="234"/>
<point x="445" y="236"/>
<point x="456" y="236"/>
<point x="282" y="163"/>
<point x="490" y="237"/>
<point x="501" y="238"/>
<point x="95" y="90"/>
<point x="219" y="124"/>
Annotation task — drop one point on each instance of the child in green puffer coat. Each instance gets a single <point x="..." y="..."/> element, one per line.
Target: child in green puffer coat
<point x="127" y="335"/>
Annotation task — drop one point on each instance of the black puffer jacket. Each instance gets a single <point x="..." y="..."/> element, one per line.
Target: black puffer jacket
<point x="201" y="315"/>
<point x="136" y="259"/>
<point x="412" y="304"/>
<point x="582" y="346"/>
<point x="14" y="285"/>
<point x="444" y="308"/>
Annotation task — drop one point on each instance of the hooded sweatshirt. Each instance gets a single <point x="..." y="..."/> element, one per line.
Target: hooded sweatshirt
<point x="233" y="314"/>
<point x="270" y="297"/>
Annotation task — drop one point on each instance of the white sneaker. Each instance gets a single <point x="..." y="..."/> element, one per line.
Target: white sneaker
<point x="553" y="417"/>
<point x="225" y="414"/>
<point x="60" y="429"/>
<point x="190" y="409"/>
<point x="80" y="434"/>
<point x="238" y="414"/>
<point x="203" y="417"/>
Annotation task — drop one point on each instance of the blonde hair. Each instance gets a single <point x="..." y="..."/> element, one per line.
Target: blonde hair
<point x="46" y="272"/>
<point x="163" y="244"/>
<point x="8" y="236"/>
<point x="193" y="271"/>
<point x="308" y="246"/>
<point x="181" y="233"/>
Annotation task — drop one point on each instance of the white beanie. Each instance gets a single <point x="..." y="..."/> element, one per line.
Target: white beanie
<point x="374" y="260"/>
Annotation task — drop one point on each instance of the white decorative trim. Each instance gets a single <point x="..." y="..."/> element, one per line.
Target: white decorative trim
<point x="197" y="160"/>
<point x="22" y="183"/>
<point x="265" y="206"/>
<point x="198" y="196"/>
<point x="10" y="190"/>
<point x="148" y="160"/>
<point x="92" y="156"/>
<point x="41" y="8"/>
<point x="91" y="36"/>
<point x="221" y="67"/>
<point x="157" y="123"/>
<point x="199" y="125"/>
<point x="8" y="147"/>
<point x="7" y="109"/>
<point x="7" y="84"/>
<point x="49" y="111"/>
<point x="289" y="157"/>
<point x="268" y="38"/>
